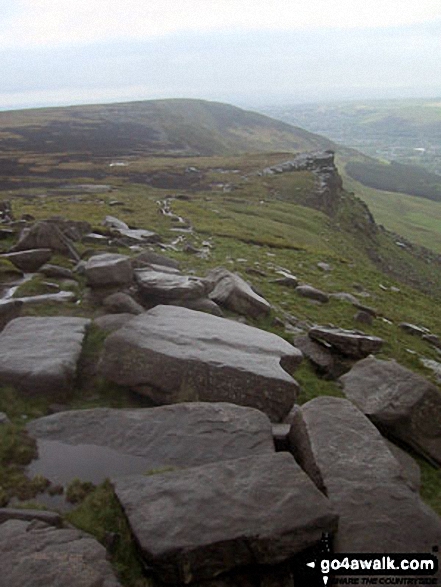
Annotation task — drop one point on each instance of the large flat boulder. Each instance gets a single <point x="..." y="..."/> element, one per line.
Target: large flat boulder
<point x="166" y="286"/>
<point x="199" y="522"/>
<point x="398" y="401"/>
<point x="41" y="354"/>
<point x="34" y="553"/>
<point x="346" y="455"/>
<point x="108" y="269"/>
<point x="351" y="343"/>
<point x="232" y="292"/>
<point x="174" y="354"/>
<point x="30" y="260"/>
<point x="182" y="435"/>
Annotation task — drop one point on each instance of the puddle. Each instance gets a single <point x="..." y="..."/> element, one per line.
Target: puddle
<point x="60" y="462"/>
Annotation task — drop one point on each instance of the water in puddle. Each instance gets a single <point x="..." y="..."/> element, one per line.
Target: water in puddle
<point x="60" y="462"/>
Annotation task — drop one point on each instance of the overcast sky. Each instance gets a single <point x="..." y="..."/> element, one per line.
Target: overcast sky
<point x="240" y="51"/>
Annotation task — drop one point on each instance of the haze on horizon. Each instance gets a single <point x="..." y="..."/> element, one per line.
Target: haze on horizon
<point x="58" y="52"/>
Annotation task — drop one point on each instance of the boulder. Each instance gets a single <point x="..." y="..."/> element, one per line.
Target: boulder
<point x="104" y="441"/>
<point x="119" y="303"/>
<point x="410" y="468"/>
<point x="112" y="322"/>
<point x="9" y="309"/>
<point x="60" y="297"/>
<point x="433" y="339"/>
<point x="152" y="258"/>
<point x="108" y="269"/>
<point x="312" y="293"/>
<point x="46" y="235"/>
<point x="197" y="523"/>
<point x="378" y="507"/>
<point x="413" y="329"/>
<point x="174" y="354"/>
<point x="113" y="222"/>
<point x="401" y="403"/>
<point x="200" y="305"/>
<point x="34" y="553"/>
<point x="138" y="236"/>
<point x="329" y="364"/>
<point x="50" y="518"/>
<point x="147" y="258"/>
<point x="351" y="343"/>
<point x="164" y="286"/>
<point x="41" y="354"/>
<point x="56" y="271"/>
<point x="364" y="317"/>
<point x="235" y="294"/>
<point x="344" y="297"/>
<point x="30" y="260"/>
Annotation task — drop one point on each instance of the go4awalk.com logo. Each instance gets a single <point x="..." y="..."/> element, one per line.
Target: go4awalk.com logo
<point x="327" y="568"/>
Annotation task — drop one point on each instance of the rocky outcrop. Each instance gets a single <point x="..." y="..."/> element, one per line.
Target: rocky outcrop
<point x="197" y="523"/>
<point x="29" y="261"/>
<point x="378" y="508"/>
<point x="350" y="343"/>
<point x="34" y="553"/>
<point x="174" y="354"/>
<point x="162" y="286"/>
<point x="312" y="293"/>
<point x="46" y="235"/>
<point x="401" y="403"/>
<point x="232" y="292"/>
<point x="108" y="269"/>
<point x="182" y="435"/>
<point x="41" y="354"/>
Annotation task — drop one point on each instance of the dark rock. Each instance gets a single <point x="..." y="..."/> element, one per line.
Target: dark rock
<point x="9" y="309"/>
<point x="433" y="339"/>
<point x="46" y="235"/>
<point x="363" y="308"/>
<point x="225" y="515"/>
<point x="152" y="258"/>
<point x="182" y="435"/>
<point x="200" y="305"/>
<point x="364" y="317"/>
<point x="235" y="294"/>
<point x="56" y="271"/>
<point x="6" y="233"/>
<point x="174" y="354"/>
<point x="379" y="512"/>
<point x="329" y="364"/>
<point x="281" y="436"/>
<point x="122" y="303"/>
<point x="412" y="329"/>
<point x="33" y="553"/>
<point x="399" y="402"/>
<point x="307" y="291"/>
<point x="351" y="343"/>
<point x="30" y="260"/>
<point x="41" y="354"/>
<point x="50" y="518"/>
<point x="112" y="322"/>
<point x="108" y="269"/>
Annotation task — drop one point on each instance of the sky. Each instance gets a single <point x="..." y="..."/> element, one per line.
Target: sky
<point x="248" y="53"/>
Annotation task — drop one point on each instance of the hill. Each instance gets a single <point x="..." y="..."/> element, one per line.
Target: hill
<point x="192" y="127"/>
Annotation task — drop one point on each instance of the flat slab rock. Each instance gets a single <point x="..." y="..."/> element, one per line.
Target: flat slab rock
<point x="174" y="354"/>
<point x="182" y="435"/>
<point x="398" y="401"/>
<point x="232" y="292"/>
<point x="346" y="455"/>
<point x="351" y="343"/>
<point x="199" y="522"/>
<point x="108" y="269"/>
<point x="34" y="553"/>
<point x="169" y="286"/>
<point x="41" y="354"/>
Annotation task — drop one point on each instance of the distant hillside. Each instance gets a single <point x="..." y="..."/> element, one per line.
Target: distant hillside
<point x="184" y="127"/>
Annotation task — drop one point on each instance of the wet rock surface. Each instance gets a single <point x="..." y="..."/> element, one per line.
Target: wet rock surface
<point x="199" y="522"/>
<point x="182" y="435"/>
<point x="41" y="354"/>
<point x="175" y="354"/>
<point x="400" y="402"/>
<point x="34" y="553"/>
<point x="378" y="507"/>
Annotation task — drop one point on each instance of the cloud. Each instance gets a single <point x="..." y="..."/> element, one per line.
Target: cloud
<point x="51" y="23"/>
